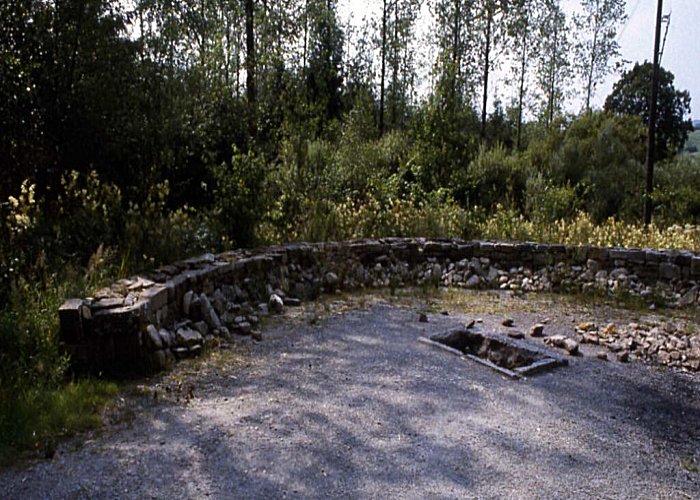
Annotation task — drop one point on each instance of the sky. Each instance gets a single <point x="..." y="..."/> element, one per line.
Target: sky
<point x="636" y="38"/>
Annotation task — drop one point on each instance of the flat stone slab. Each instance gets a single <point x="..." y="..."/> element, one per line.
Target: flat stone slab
<point x="354" y="407"/>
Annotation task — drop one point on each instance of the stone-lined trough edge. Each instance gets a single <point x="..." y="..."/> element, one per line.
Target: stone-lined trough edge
<point x="141" y="325"/>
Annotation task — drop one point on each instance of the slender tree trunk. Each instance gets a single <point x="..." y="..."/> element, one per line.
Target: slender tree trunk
<point x="227" y="58"/>
<point x="383" y="76"/>
<point x="456" y="49"/>
<point x="487" y="64"/>
<point x="521" y="92"/>
<point x="251" y="66"/>
<point x="591" y="69"/>
<point x="304" y="56"/>
<point x="395" y="66"/>
<point x="552" y="77"/>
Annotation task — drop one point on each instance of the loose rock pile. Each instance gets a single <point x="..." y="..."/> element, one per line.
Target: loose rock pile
<point x="657" y="343"/>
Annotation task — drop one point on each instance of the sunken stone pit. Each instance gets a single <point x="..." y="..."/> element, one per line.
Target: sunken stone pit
<point x="143" y="324"/>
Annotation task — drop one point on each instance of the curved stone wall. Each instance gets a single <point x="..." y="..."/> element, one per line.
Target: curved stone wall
<point x="143" y="324"/>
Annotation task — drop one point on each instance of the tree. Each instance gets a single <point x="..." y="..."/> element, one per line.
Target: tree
<point x="396" y="32"/>
<point x="521" y="24"/>
<point x="630" y="96"/>
<point x="553" y="68"/>
<point x="325" y="77"/>
<point x="596" y="45"/>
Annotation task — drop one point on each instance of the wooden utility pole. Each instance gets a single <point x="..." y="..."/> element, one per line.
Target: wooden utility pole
<point x="487" y="64"/>
<point x="651" y="142"/>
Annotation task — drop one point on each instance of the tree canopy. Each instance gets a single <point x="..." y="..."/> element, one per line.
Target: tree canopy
<point x="630" y="96"/>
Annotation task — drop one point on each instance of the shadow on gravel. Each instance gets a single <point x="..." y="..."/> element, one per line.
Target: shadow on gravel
<point x="357" y="408"/>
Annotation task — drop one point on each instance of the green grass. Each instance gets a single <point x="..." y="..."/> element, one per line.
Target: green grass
<point x="39" y="403"/>
<point x="40" y="417"/>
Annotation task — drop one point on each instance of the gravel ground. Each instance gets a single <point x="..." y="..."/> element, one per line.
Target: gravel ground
<point x="353" y="406"/>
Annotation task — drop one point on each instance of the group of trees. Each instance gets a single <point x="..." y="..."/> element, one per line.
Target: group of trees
<point x="152" y="89"/>
<point x="238" y="110"/>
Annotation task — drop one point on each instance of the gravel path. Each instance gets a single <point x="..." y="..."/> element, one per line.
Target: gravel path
<point x="354" y="407"/>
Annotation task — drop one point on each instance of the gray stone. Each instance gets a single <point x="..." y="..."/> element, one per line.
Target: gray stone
<point x="187" y="337"/>
<point x="153" y="338"/>
<point x="195" y="313"/>
<point x="689" y="298"/>
<point x="167" y="338"/>
<point x="593" y="265"/>
<point x="668" y="271"/>
<point x="107" y="303"/>
<point x="245" y="328"/>
<point x="219" y="301"/>
<point x="209" y="313"/>
<point x="473" y="282"/>
<point x="186" y="302"/>
<point x="331" y="280"/>
<point x="201" y="327"/>
<point x="275" y="303"/>
<point x="563" y="342"/>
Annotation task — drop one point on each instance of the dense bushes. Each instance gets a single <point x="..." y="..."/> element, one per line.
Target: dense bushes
<point x="579" y="183"/>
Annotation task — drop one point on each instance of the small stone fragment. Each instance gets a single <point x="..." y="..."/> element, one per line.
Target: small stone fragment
<point x="470" y="324"/>
<point x="537" y="330"/>
<point x="423" y="318"/>
<point x="586" y="327"/>
<point x="515" y="334"/>
<point x="508" y="322"/>
<point x="601" y="355"/>
<point x="275" y="303"/>
<point x="563" y="342"/>
<point x="291" y="302"/>
<point x="257" y="335"/>
<point x="623" y="356"/>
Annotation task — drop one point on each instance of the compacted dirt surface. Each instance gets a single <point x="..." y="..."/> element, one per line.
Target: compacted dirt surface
<point x="344" y="402"/>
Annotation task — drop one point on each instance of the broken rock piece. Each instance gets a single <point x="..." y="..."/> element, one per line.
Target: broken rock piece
<point x="563" y="342"/>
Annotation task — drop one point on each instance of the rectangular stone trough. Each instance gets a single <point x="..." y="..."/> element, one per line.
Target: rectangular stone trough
<point x="511" y="357"/>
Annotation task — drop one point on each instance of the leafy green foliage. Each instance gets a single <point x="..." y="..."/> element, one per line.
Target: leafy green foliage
<point x="630" y="96"/>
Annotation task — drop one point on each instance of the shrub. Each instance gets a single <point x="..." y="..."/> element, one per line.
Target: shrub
<point x="677" y="195"/>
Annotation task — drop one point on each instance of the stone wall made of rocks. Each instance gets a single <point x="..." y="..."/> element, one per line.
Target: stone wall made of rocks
<point x="143" y="324"/>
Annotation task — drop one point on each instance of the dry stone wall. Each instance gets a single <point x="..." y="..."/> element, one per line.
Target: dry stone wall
<point x="145" y="323"/>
